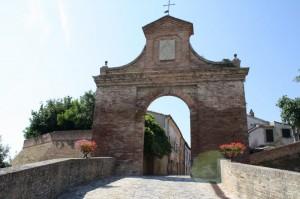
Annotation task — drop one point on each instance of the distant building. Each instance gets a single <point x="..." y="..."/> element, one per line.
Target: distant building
<point x="179" y="160"/>
<point x="265" y="133"/>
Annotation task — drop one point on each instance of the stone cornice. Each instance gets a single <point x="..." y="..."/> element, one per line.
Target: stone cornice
<point x="176" y="77"/>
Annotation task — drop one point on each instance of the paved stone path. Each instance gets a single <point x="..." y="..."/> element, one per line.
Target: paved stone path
<point x="163" y="187"/>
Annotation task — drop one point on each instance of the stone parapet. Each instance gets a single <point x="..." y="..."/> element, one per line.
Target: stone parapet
<point x="58" y="144"/>
<point x="276" y="153"/>
<point x="70" y="135"/>
<point x="49" y="178"/>
<point x="255" y="182"/>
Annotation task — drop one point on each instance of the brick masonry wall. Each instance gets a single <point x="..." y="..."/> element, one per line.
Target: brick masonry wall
<point x="251" y="182"/>
<point x="58" y="144"/>
<point x="275" y="154"/>
<point x="48" y="179"/>
<point x="213" y="91"/>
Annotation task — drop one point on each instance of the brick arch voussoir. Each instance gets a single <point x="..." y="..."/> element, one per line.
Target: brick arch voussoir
<point x="146" y="100"/>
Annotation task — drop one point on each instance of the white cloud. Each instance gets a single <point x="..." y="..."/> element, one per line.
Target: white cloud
<point x="36" y="21"/>
<point x="64" y="21"/>
<point x="34" y="14"/>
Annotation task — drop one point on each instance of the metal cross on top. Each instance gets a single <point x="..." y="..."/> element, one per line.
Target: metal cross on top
<point x="169" y="4"/>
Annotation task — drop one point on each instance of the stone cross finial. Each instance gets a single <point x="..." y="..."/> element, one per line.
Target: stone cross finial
<point x="168" y="5"/>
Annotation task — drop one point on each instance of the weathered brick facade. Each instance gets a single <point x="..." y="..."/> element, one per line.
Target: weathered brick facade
<point x="213" y="91"/>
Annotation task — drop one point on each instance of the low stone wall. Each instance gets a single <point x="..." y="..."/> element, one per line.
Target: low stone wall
<point x="58" y="144"/>
<point x="59" y="136"/>
<point x="255" y="182"/>
<point x="276" y="153"/>
<point x="49" y="178"/>
<point x="289" y="162"/>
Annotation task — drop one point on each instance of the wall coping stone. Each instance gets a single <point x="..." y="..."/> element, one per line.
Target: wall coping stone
<point x="70" y="135"/>
<point x="256" y="182"/>
<point x="249" y="166"/>
<point x="23" y="167"/>
<point x="275" y="153"/>
<point x="50" y="178"/>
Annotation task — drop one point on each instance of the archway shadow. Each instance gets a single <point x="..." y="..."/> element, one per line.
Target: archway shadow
<point x="218" y="191"/>
<point x="74" y="192"/>
<point x="170" y="178"/>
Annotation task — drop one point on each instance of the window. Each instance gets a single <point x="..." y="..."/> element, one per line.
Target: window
<point x="286" y="133"/>
<point x="175" y="147"/>
<point x="269" y="135"/>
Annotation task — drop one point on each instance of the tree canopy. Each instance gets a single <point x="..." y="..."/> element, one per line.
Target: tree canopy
<point x="156" y="142"/>
<point x="77" y="114"/>
<point x="62" y="114"/>
<point x="3" y="154"/>
<point x="290" y="110"/>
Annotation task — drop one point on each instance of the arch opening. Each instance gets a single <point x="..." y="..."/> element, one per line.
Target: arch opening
<point x="172" y="114"/>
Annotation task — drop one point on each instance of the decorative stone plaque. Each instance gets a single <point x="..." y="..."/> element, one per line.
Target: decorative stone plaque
<point x="166" y="50"/>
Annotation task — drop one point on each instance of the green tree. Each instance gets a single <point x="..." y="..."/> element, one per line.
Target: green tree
<point x="62" y="114"/>
<point x="3" y="154"/>
<point x="156" y="142"/>
<point x="76" y="114"/>
<point x="80" y="114"/>
<point x="290" y="111"/>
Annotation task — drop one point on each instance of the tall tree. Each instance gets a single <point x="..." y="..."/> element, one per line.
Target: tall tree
<point x="72" y="114"/>
<point x="290" y="111"/>
<point x="3" y="154"/>
<point x="62" y="114"/>
<point x="80" y="114"/>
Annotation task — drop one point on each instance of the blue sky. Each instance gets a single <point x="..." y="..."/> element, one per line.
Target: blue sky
<point x="52" y="48"/>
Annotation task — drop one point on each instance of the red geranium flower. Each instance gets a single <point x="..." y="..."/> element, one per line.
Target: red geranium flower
<point x="232" y="150"/>
<point x="86" y="146"/>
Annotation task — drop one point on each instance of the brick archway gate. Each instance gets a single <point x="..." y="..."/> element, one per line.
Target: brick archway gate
<point x="213" y="91"/>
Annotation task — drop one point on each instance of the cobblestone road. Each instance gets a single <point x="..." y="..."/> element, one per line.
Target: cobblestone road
<point x="166" y="187"/>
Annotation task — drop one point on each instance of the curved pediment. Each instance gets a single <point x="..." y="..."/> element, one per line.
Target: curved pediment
<point x="168" y="48"/>
<point x="168" y="23"/>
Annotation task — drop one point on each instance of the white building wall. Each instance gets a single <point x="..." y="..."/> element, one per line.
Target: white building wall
<point x="279" y="139"/>
<point x="257" y="132"/>
<point x="257" y="138"/>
